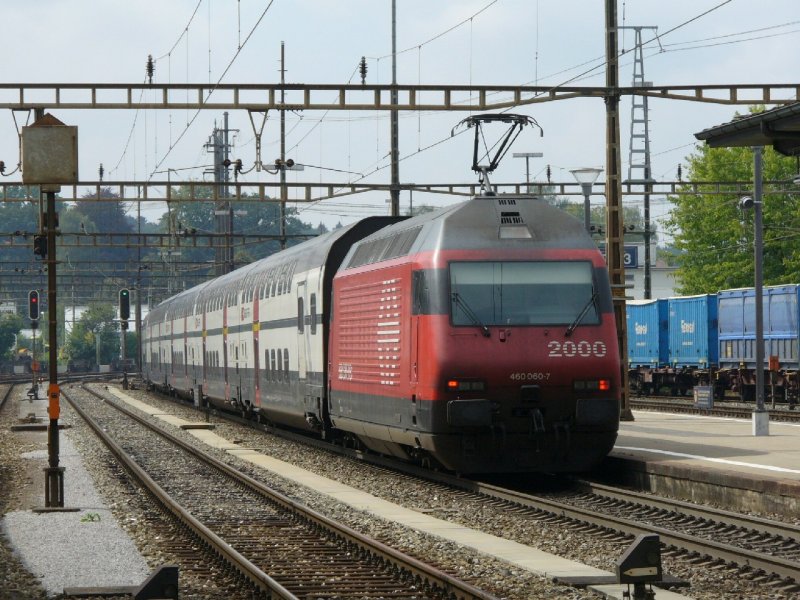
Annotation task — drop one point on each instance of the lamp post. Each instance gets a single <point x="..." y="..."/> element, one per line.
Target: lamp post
<point x="586" y="177"/>
<point x="760" y="415"/>
<point x="527" y="156"/>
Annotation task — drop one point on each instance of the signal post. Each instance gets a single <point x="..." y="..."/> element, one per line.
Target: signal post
<point x="49" y="159"/>
<point x="124" y="315"/>
<point x="33" y="315"/>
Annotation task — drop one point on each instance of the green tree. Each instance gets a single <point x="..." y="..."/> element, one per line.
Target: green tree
<point x="194" y="214"/>
<point x="10" y="326"/>
<point x="94" y="333"/>
<point x="713" y="237"/>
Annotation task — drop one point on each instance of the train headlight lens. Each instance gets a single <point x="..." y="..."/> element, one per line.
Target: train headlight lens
<point x="465" y="385"/>
<point x="592" y="385"/>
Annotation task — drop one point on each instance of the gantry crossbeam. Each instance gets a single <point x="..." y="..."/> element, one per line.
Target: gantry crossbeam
<point x="193" y="191"/>
<point x="146" y="240"/>
<point x="264" y="97"/>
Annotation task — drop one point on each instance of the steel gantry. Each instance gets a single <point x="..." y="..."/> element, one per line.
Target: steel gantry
<point x="261" y="97"/>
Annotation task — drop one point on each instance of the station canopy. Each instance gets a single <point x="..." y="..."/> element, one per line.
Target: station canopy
<point x="779" y="128"/>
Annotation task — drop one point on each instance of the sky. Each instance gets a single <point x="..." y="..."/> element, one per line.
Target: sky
<point x="510" y="42"/>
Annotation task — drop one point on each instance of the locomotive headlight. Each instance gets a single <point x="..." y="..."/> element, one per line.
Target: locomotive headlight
<point x="591" y="385"/>
<point x="465" y="385"/>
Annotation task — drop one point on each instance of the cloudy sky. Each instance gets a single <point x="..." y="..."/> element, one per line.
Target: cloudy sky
<point x="513" y="42"/>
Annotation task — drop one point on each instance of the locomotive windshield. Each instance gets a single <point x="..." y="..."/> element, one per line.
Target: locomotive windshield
<point x="522" y="293"/>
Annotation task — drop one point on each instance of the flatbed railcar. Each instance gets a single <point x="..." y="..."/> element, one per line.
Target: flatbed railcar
<point x="479" y="337"/>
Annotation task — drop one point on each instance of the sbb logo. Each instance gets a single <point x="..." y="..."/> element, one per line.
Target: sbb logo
<point x="687" y="326"/>
<point x="640" y="329"/>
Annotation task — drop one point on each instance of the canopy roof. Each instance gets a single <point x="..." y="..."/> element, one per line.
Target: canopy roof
<point x="779" y="127"/>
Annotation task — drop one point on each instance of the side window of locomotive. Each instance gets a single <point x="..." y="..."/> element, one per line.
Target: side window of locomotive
<point x="300" y="323"/>
<point x="313" y="311"/>
<point x="419" y="288"/>
<point x="286" y="364"/>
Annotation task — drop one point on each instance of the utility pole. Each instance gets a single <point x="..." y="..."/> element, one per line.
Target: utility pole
<point x="640" y="130"/>
<point x="226" y="194"/>
<point x="282" y="166"/>
<point x="394" y="115"/>
<point x="614" y="219"/>
<point x="138" y="315"/>
<point x="223" y="209"/>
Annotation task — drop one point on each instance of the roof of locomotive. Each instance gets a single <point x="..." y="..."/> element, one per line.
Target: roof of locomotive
<point x="507" y="220"/>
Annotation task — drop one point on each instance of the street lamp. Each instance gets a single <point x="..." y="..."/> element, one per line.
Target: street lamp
<point x="586" y="177"/>
<point x="527" y="156"/>
<point x="760" y="415"/>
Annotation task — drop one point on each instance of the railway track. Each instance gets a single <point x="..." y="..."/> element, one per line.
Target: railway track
<point x="280" y="547"/>
<point x="62" y="378"/>
<point x="5" y="393"/>
<point x="734" y="410"/>
<point x="760" y="550"/>
<point x="753" y="548"/>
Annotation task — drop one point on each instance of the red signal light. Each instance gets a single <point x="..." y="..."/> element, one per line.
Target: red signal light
<point x="33" y="305"/>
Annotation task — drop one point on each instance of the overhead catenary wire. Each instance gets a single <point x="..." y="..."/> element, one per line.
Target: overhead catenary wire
<point x="419" y="149"/>
<point x="216" y="85"/>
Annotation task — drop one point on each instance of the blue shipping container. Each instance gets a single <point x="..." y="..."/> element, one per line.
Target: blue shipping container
<point x="693" y="337"/>
<point x="737" y="326"/>
<point x="648" y="326"/>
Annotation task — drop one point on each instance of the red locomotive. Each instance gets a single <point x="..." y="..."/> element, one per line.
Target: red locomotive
<point x="481" y="336"/>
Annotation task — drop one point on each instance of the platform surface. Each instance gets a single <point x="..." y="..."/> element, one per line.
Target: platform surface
<point x="709" y="460"/>
<point x="713" y="443"/>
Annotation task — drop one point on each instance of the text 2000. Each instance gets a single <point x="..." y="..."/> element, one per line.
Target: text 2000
<point x="570" y="349"/>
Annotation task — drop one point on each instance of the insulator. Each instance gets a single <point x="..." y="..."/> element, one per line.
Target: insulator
<point x="100" y="171"/>
<point x="680" y="171"/>
<point x="289" y="163"/>
<point x="2" y="167"/>
<point x="362" y="69"/>
<point x="237" y="164"/>
<point x="151" y="68"/>
<point x="548" y="173"/>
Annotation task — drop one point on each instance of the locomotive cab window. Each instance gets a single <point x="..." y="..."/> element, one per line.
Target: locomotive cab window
<point x="522" y="293"/>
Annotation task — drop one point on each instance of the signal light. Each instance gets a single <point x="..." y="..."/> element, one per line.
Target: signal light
<point x="40" y="245"/>
<point x="592" y="385"/>
<point x="124" y="304"/>
<point x="33" y="305"/>
<point x="465" y="385"/>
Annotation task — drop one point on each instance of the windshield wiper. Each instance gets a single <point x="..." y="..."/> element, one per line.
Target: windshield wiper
<point x="582" y="314"/>
<point x="472" y="316"/>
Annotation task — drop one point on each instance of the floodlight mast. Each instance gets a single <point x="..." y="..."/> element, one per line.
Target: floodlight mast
<point x="515" y="122"/>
